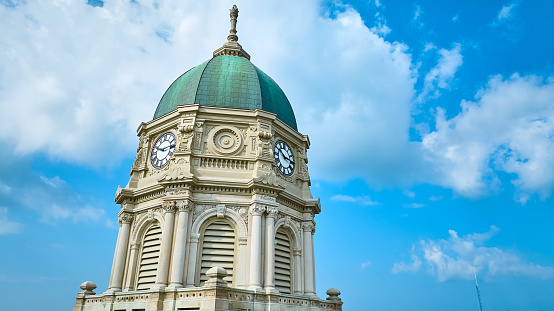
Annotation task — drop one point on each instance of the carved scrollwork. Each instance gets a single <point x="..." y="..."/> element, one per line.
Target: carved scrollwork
<point x="125" y="218"/>
<point x="140" y="158"/>
<point x="308" y="226"/>
<point x="269" y="178"/>
<point x="221" y="210"/>
<point x="272" y="211"/>
<point x="169" y="206"/>
<point x="257" y="209"/>
<point x="185" y="205"/>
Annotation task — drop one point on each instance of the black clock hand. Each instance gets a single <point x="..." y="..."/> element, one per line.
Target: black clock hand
<point x="164" y="149"/>
<point x="286" y="157"/>
<point x="169" y="147"/>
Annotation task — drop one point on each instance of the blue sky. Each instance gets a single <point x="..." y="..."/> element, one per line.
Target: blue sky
<point x="431" y="123"/>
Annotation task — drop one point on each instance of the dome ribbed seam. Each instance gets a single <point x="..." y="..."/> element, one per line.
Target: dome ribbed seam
<point x="201" y="75"/>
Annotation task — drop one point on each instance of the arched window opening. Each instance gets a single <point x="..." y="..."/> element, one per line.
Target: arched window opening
<point x="283" y="264"/>
<point x="149" y="257"/>
<point x="218" y="249"/>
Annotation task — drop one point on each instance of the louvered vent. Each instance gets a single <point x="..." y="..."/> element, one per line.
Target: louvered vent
<point x="149" y="257"/>
<point x="218" y="249"/>
<point x="282" y="263"/>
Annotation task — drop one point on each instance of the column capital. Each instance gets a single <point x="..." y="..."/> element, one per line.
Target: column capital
<point x="194" y="237"/>
<point x="297" y="251"/>
<point x="272" y="211"/>
<point x="135" y="245"/>
<point x="257" y="209"/>
<point x="125" y="218"/>
<point x="169" y="206"/>
<point x="308" y="226"/>
<point x="243" y="240"/>
<point x="185" y="205"/>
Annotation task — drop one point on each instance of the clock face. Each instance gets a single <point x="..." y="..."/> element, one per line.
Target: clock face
<point x="284" y="158"/>
<point x="163" y="150"/>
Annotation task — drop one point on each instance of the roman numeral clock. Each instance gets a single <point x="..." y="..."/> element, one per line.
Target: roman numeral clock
<point x="284" y="159"/>
<point x="162" y="150"/>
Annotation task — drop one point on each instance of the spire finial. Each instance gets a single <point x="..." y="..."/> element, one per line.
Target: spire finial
<point x="233" y="13"/>
<point x="232" y="47"/>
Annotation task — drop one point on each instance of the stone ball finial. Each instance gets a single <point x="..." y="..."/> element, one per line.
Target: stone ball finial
<point x="216" y="275"/>
<point x="87" y="288"/>
<point x="216" y="272"/>
<point x="333" y="294"/>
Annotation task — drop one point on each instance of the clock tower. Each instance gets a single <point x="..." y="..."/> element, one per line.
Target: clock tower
<point x="218" y="213"/>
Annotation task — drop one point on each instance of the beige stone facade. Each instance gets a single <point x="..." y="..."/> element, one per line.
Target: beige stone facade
<point x="217" y="215"/>
<point x="221" y="188"/>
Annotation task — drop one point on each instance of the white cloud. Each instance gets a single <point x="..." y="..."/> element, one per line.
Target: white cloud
<point x="8" y="226"/>
<point x="429" y="46"/>
<point x="364" y="265"/>
<point x="89" y="75"/>
<point x="411" y="267"/>
<point x="366" y="200"/>
<point x="509" y="128"/>
<point x="54" y="182"/>
<point x="413" y="205"/>
<point x="4" y="188"/>
<point x="416" y="19"/>
<point x="504" y="14"/>
<point x="77" y="80"/>
<point x="456" y="257"/>
<point x="51" y="199"/>
<point x="409" y="193"/>
<point x="456" y="18"/>
<point x="442" y="74"/>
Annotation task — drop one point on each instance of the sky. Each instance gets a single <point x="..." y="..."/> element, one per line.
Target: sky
<point x="431" y="126"/>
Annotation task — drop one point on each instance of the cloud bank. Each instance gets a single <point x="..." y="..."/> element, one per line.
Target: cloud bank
<point x="77" y="80"/>
<point x="456" y="257"/>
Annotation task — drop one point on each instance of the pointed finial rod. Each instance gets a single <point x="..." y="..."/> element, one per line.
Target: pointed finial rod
<point x="234" y="13"/>
<point x="232" y="47"/>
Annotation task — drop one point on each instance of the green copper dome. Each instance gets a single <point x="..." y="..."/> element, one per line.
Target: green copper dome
<point x="227" y="82"/>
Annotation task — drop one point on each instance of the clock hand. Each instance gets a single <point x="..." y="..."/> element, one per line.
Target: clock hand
<point x="164" y="149"/>
<point x="169" y="147"/>
<point x="286" y="157"/>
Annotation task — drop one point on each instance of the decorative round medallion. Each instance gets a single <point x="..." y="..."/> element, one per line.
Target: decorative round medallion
<point x="225" y="139"/>
<point x="163" y="150"/>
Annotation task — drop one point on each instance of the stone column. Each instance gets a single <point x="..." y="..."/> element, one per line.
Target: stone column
<point x="130" y="281"/>
<point x="313" y="260"/>
<point x="270" y="249"/>
<point x="191" y="271"/>
<point x="297" y="270"/>
<point x="242" y="266"/>
<point x="309" y="289"/>
<point x="256" y="211"/>
<point x="167" y="237"/>
<point x="125" y="220"/>
<point x="178" y="262"/>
